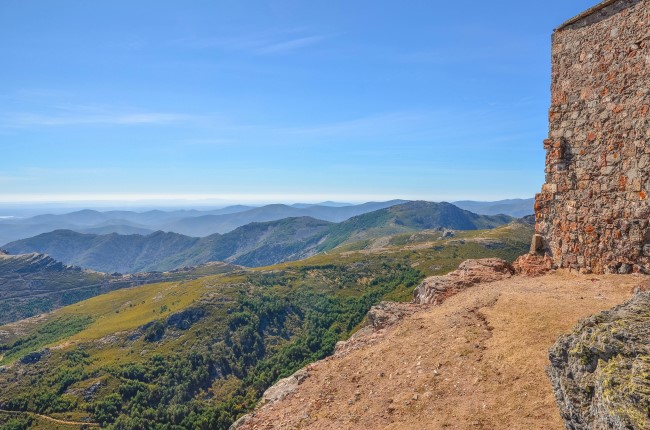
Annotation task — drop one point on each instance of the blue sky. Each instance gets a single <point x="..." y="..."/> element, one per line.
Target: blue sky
<point x="257" y="101"/>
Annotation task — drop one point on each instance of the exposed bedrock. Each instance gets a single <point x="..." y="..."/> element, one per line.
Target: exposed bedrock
<point x="435" y="289"/>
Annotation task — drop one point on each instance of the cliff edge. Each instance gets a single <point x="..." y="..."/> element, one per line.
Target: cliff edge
<point x="477" y="360"/>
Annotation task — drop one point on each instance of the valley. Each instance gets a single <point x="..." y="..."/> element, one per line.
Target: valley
<point x="307" y="215"/>
<point x="200" y="353"/>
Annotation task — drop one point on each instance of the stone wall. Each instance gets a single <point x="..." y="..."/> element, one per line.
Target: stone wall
<point x="593" y="211"/>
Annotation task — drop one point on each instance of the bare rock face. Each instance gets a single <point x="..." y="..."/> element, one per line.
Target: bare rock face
<point x="435" y="289"/>
<point x="380" y="319"/>
<point x="601" y="371"/>
<point x="387" y="314"/>
<point x="275" y="393"/>
<point x="533" y="264"/>
<point x="284" y="387"/>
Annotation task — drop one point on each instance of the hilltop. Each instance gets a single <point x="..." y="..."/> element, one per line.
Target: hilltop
<point x="35" y="283"/>
<point x="216" y="343"/>
<point x="253" y="245"/>
<point x="478" y="360"/>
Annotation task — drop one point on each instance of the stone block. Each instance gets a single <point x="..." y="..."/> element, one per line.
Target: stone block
<point x="537" y="244"/>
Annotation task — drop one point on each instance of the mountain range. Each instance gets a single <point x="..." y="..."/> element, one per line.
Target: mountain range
<point x="255" y="244"/>
<point x="189" y="222"/>
<point x="517" y="208"/>
<point x="201" y="223"/>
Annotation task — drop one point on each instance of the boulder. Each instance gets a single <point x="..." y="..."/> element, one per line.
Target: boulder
<point x="387" y="314"/>
<point x="284" y="387"/>
<point x="600" y="371"/>
<point x="34" y="357"/>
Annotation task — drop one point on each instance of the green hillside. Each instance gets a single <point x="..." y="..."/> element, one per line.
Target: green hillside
<point x="31" y="284"/>
<point x="259" y="244"/>
<point x="106" y="253"/>
<point x="198" y="354"/>
<point x="409" y="217"/>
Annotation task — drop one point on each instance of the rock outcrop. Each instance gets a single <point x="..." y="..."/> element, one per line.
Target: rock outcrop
<point x="601" y="371"/>
<point x="380" y="318"/>
<point x="436" y="289"/>
<point x="283" y="387"/>
<point x="276" y="393"/>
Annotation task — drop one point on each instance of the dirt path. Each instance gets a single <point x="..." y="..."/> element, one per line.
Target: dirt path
<point x="475" y="362"/>
<point x="40" y="293"/>
<point x="54" y="420"/>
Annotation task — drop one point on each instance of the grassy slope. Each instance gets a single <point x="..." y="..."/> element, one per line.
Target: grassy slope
<point x="34" y="283"/>
<point x="109" y="328"/>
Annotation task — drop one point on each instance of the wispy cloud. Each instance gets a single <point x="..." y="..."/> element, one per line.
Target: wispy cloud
<point x="372" y="125"/>
<point x="22" y="119"/>
<point x="290" y="45"/>
<point x="51" y="171"/>
<point x="9" y="179"/>
<point x="193" y="198"/>
<point x="208" y="142"/>
<point x="273" y="44"/>
<point x="66" y="114"/>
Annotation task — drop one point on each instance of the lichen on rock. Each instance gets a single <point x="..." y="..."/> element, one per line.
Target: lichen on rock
<point x="601" y="371"/>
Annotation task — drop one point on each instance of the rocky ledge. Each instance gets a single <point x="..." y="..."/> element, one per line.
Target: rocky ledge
<point x="436" y="289"/>
<point x="601" y="371"/>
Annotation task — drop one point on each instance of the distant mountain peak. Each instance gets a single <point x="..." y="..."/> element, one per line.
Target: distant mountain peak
<point x="296" y="235"/>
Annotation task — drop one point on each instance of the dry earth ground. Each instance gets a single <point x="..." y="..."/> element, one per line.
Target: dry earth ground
<point x="477" y="361"/>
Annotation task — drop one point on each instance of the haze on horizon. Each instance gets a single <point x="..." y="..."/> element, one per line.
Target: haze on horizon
<point x="273" y="101"/>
